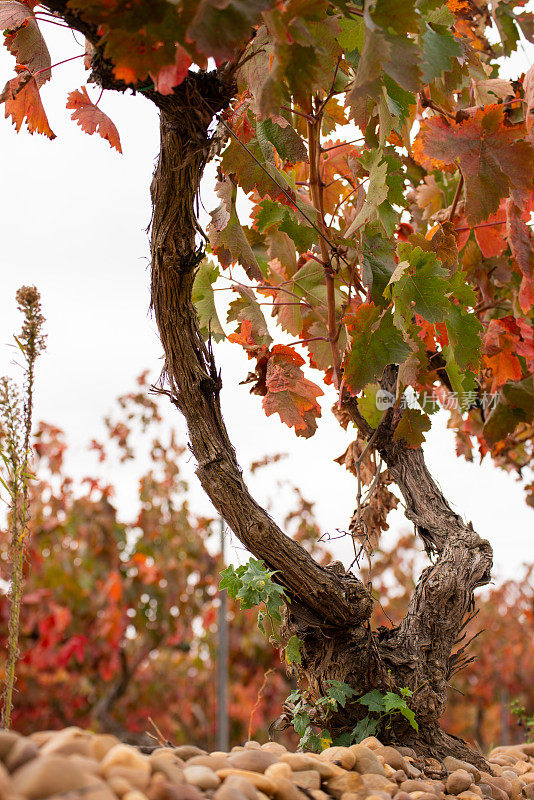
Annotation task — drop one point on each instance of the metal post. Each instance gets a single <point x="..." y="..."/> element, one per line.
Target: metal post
<point x="505" y="716"/>
<point x="223" y="742"/>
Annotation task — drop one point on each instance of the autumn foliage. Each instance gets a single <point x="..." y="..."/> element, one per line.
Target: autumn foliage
<point x="375" y="179"/>
<point x="133" y="605"/>
<point x="119" y="619"/>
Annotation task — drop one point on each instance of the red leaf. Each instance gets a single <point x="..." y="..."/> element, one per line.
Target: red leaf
<point x="494" y="159"/>
<point x="526" y="294"/>
<point x="91" y="118"/>
<point x="23" y="102"/>
<point x="500" y="344"/>
<point x="289" y="393"/>
<point x="172" y="75"/>
<point x="520" y="239"/>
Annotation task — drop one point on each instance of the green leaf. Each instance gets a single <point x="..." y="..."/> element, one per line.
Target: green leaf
<point x="368" y="406"/>
<point x="420" y="285"/>
<point x="410" y="716"/>
<point x="352" y="33"/>
<point x="204" y="300"/>
<point x="397" y="15"/>
<point x="464" y="332"/>
<point x="440" y="49"/>
<point x="399" y="101"/>
<point x="412" y="427"/>
<point x="301" y="721"/>
<point x="345" y="740"/>
<point x="286" y="141"/>
<point x="377" y="189"/>
<point x="310" y="741"/>
<point x="393" y="701"/>
<point x="515" y="404"/>
<point x="230" y="581"/>
<point x="269" y="214"/>
<point x="374" y="701"/>
<point x="375" y="342"/>
<point x="340" y="692"/>
<point x="227" y="237"/>
<point x="365" y="727"/>
<point x="378" y="262"/>
<point x="292" y="651"/>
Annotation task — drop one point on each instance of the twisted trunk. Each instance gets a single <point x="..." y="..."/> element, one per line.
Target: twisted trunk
<point x="330" y="608"/>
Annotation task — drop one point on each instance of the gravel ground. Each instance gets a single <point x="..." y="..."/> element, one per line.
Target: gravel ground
<point x="78" y="765"/>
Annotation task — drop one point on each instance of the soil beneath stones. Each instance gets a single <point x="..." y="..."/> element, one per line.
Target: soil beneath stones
<point x="74" y="764"/>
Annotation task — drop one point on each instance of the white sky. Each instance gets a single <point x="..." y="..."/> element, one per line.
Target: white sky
<point x="73" y="219"/>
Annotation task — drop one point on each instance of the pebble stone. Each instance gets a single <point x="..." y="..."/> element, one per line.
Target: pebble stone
<point x="74" y="764"/>
<point x="203" y="777"/>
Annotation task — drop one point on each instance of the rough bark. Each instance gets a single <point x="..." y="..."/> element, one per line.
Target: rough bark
<point x="194" y="383"/>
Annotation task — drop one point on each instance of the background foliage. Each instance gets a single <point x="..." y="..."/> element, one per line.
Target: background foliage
<point x="119" y="618"/>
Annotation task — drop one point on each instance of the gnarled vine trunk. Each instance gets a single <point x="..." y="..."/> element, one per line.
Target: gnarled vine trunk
<point x="330" y="609"/>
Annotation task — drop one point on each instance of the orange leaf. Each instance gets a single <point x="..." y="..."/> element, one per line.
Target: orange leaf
<point x="289" y="393"/>
<point x="91" y="118"/>
<point x="23" y="102"/>
<point x="501" y="345"/>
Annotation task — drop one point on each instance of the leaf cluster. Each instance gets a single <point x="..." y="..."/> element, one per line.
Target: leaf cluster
<point x="309" y="716"/>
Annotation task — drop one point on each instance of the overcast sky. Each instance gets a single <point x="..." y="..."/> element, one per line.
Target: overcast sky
<point x="73" y="221"/>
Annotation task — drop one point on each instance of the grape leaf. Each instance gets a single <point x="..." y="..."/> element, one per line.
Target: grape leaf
<point x="23" y="102"/>
<point x="246" y="307"/>
<point x="464" y="331"/>
<point x="138" y="38"/>
<point x="13" y="15"/>
<point x="514" y="406"/>
<point x="378" y="262"/>
<point x="219" y="29"/>
<point x="24" y="40"/>
<point x="374" y="343"/>
<point x="368" y="405"/>
<point x="92" y="119"/>
<point x="340" y="692"/>
<point x="500" y="351"/>
<point x="520" y="238"/>
<point x="227" y="238"/>
<point x="374" y="700"/>
<point x="204" y="300"/>
<point x="292" y="650"/>
<point x="286" y="141"/>
<point x="173" y="74"/>
<point x="440" y="50"/>
<point x="494" y="159"/>
<point x="289" y="393"/>
<point x="411" y="428"/>
<point x="420" y="285"/>
<point x="377" y="189"/>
